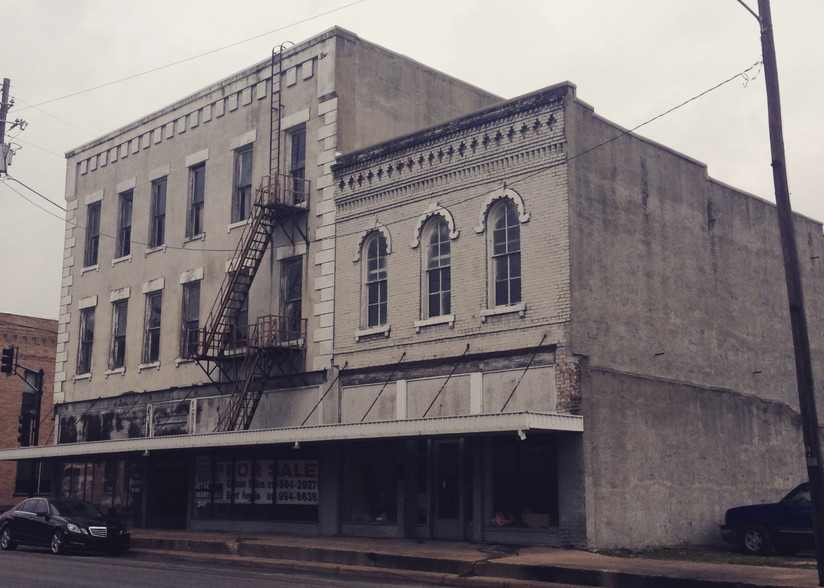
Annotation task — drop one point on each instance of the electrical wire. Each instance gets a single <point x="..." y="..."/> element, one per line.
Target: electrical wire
<point x="512" y="180"/>
<point x="193" y="57"/>
<point x="518" y="178"/>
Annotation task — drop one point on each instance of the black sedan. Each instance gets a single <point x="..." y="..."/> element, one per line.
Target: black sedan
<point x="61" y="524"/>
<point x="785" y="526"/>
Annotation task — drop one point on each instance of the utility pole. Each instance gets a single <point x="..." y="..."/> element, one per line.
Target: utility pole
<point x="4" y="109"/>
<point x="798" y="318"/>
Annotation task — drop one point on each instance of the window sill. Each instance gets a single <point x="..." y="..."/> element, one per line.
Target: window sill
<point x="148" y="366"/>
<point x="154" y="250"/>
<point x="90" y="268"/>
<point x="236" y="225"/>
<point x="435" y="320"/>
<point x="498" y="310"/>
<point x="81" y="377"/>
<point x="379" y="330"/>
<point x="198" y="237"/>
<point x="120" y="370"/>
<point x="124" y="259"/>
<point x="182" y="360"/>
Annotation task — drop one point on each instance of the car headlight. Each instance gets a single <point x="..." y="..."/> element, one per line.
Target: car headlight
<point x="73" y="528"/>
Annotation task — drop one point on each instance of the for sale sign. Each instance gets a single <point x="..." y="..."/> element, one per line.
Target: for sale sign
<point x="297" y="482"/>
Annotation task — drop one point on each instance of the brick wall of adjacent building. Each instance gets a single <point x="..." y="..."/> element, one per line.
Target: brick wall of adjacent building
<point x="458" y="171"/>
<point x="36" y="339"/>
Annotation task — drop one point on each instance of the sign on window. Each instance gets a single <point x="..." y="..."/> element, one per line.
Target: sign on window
<point x="297" y="482"/>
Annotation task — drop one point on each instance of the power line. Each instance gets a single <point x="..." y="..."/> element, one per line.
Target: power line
<point x="52" y="202"/>
<point x="187" y="59"/>
<point x="30" y="201"/>
<point x="527" y="175"/>
<point x="517" y="178"/>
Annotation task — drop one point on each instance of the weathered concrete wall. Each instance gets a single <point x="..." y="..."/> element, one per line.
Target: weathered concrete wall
<point x="665" y="459"/>
<point x="386" y="95"/>
<point x="321" y="93"/>
<point x="677" y="276"/>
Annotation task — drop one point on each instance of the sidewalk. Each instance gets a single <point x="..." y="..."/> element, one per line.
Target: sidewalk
<point x="457" y="563"/>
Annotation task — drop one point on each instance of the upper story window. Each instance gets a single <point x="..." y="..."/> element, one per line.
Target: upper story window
<point x="239" y="329"/>
<point x="190" y="319"/>
<point x="117" y="358"/>
<point x="297" y="154"/>
<point x="86" y="341"/>
<point x="197" y="191"/>
<point x="90" y="255"/>
<point x="157" y="220"/>
<point x="124" y="224"/>
<point x="437" y="263"/>
<point x="151" y="335"/>
<point x="242" y="195"/>
<point x="505" y="253"/>
<point x="375" y="280"/>
<point x="297" y="164"/>
<point x="291" y="278"/>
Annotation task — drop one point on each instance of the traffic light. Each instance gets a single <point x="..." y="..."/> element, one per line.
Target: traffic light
<point x="24" y="430"/>
<point x="8" y="360"/>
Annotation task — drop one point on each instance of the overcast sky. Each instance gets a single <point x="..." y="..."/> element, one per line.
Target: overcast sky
<point x="630" y="59"/>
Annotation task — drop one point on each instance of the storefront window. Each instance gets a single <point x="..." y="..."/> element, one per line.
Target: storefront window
<point x="114" y="486"/>
<point x="276" y="484"/>
<point x="33" y="477"/>
<point x="370" y="482"/>
<point x="524" y="484"/>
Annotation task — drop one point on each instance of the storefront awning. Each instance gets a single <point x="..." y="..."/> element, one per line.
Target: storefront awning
<point x="516" y="422"/>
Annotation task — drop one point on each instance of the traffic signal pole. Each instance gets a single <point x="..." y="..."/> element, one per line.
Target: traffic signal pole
<point x="798" y="317"/>
<point x="29" y="419"/>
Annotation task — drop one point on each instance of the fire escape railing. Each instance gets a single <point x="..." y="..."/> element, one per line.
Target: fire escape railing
<point x="268" y="333"/>
<point x="277" y="193"/>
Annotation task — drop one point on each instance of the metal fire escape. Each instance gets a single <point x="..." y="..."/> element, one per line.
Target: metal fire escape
<point x="245" y="356"/>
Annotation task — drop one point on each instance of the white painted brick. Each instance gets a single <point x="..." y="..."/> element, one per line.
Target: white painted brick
<point x="324" y="334"/>
<point x="324" y="256"/>
<point x="327" y="131"/>
<point x="323" y="232"/>
<point x="328" y="106"/>
<point x="324" y="308"/>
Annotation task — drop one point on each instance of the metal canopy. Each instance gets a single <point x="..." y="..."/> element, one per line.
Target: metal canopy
<point x="520" y="422"/>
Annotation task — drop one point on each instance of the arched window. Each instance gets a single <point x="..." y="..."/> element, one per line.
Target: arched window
<point x="505" y="253"/>
<point x="375" y="280"/>
<point x="437" y="275"/>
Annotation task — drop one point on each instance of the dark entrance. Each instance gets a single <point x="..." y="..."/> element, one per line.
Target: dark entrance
<point x="167" y="496"/>
<point x="449" y="494"/>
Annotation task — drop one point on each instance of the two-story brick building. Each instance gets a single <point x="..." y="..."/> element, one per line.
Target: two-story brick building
<point x="35" y="341"/>
<point x="599" y="330"/>
<point x="479" y="319"/>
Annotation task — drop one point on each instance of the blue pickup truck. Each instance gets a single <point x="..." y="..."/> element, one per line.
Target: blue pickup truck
<point x="785" y="526"/>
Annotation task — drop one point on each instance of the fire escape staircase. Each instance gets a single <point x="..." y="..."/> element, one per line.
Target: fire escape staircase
<point x="246" y="356"/>
<point x="280" y="203"/>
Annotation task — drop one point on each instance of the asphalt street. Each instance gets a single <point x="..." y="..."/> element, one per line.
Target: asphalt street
<point x="39" y="568"/>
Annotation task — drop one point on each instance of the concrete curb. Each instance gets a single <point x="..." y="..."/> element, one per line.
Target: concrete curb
<point x="354" y="571"/>
<point x="461" y="564"/>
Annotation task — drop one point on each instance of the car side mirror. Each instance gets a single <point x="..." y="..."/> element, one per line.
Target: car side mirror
<point x="45" y="515"/>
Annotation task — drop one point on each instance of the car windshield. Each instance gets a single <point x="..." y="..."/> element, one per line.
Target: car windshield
<point x="799" y="497"/>
<point x="75" y="508"/>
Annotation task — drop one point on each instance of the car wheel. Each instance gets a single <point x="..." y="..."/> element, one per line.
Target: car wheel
<point x="756" y="540"/>
<point x="56" y="544"/>
<point x="6" y="541"/>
